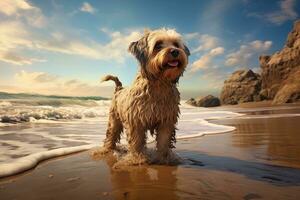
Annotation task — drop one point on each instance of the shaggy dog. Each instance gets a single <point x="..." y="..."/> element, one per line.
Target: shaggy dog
<point x="152" y="102"/>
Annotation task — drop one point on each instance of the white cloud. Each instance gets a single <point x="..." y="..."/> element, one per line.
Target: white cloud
<point x="285" y="13"/>
<point x="191" y="36"/>
<point x="23" y="9"/>
<point x="13" y="34"/>
<point x="34" y="77"/>
<point x="14" y="58"/>
<point x="45" y="83"/>
<point x="205" y="61"/>
<point x="11" y="7"/>
<point x="13" y="38"/>
<point x="86" y="7"/>
<point x="205" y="41"/>
<point x="115" y="49"/>
<point x="247" y="51"/>
<point x="17" y="37"/>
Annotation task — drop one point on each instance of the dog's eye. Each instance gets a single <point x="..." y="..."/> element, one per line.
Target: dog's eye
<point x="158" y="45"/>
<point x="176" y="44"/>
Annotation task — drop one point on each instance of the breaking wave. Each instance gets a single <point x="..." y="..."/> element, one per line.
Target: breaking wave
<point x="17" y="111"/>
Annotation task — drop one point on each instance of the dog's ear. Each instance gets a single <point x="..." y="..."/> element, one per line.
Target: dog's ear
<point x="186" y="50"/>
<point x="139" y="49"/>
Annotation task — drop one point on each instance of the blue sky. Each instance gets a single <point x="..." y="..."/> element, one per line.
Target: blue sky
<point x="64" y="47"/>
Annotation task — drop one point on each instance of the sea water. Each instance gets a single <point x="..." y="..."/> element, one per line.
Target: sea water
<point x="33" y="131"/>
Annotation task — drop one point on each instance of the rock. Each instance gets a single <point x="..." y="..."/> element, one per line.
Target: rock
<point x="73" y="179"/>
<point x="10" y="119"/>
<point x="293" y="39"/>
<point x="207" y="101"/>
<point x="242" y="86"/>
<point x="104" y="193"/>
<point x="192" y="102"/>
<point x="50" y="176"/>
<point x="290" y="91"/>
<point x="279" y="81"/>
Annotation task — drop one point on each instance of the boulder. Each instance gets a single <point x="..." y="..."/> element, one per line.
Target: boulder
<point x="242" y="86"/>
<point x="192" y="102"/>
<point x="207" y="101"/>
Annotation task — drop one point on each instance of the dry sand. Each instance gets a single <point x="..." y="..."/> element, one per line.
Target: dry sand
<point x="260" y="160"/>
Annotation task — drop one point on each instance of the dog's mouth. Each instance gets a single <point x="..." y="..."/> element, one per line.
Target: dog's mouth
<point x="172" y="64"/>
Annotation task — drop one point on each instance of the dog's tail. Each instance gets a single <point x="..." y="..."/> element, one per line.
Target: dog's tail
<point x="115" y="79"/>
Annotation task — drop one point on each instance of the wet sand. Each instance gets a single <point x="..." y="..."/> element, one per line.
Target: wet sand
<point x="259" y="160"/>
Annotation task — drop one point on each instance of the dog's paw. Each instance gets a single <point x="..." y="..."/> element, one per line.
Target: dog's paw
<point x="99" y="152"/>
<point x="132" y="159"/>
<point x="169" y="158"/>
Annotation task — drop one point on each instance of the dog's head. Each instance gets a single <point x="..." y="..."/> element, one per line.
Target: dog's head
<point x="161" y="53"/>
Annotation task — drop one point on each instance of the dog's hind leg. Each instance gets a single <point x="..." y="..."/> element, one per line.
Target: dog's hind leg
<point x="113" y="132"/>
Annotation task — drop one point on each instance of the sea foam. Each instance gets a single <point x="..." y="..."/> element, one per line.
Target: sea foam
<point x="28" y="162"/>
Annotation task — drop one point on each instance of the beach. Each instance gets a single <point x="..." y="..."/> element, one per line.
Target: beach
<point x="258" y="160"/>
<point x="149" y="100"/>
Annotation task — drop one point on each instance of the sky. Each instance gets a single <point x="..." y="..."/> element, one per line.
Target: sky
<point x="64" y="47"/>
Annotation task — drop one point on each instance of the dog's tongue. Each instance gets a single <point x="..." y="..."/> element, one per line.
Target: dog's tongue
<point x="173" y="63"/>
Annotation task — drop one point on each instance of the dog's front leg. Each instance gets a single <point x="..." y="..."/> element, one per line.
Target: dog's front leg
<point x="164" y="144"/>
<point x="137" y="146"/>
<point x="136" y="139"/>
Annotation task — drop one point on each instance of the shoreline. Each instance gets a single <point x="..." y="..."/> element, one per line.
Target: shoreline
<point x="37" y="158"/>
<point x="214" y="168"/>
<point x="207" y="173"/>
<point x="239" y="164"/>
<point x="29" y="162"/>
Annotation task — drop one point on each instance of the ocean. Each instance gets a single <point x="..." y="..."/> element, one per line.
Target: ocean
<point x="35" y="128"/>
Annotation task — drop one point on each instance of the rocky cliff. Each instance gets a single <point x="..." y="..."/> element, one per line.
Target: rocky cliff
<point x="279" y="79"/>
<point x="280" y="71"/>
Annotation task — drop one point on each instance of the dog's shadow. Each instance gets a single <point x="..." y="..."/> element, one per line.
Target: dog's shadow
<point x="274" y="174"/>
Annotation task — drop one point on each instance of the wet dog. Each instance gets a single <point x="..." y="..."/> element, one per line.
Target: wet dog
<point x="152" y="102"/>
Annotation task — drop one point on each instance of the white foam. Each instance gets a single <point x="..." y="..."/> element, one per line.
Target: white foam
<point x="270" y="116"/>
<point x="28" y="162"/>
<point x="207" y="128"/>
<point x="5" y="103"/>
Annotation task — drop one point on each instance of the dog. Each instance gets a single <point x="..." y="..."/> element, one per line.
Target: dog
<point x="152" y="102"/>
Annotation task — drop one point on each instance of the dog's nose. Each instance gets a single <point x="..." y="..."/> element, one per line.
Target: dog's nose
<point x="174" y="53"/>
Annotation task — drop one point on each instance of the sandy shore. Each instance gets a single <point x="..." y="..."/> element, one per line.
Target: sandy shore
<point x="260" y="160"/>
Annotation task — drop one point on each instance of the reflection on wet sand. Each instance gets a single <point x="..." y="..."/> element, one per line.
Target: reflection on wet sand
<point x="142" y="182"/>
<point x="270" y="139"/>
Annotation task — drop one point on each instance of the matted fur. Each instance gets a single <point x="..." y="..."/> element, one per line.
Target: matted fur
<point x="152" y="102"/>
